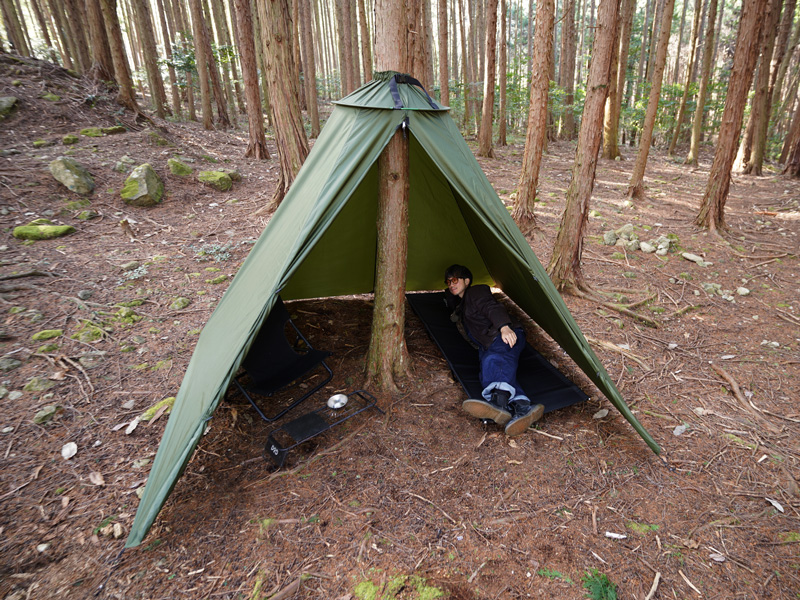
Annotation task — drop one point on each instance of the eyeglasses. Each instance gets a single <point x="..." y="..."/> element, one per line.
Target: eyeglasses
<point x="452" y="280"/>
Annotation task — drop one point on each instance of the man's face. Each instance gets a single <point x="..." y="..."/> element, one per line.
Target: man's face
<point x="457" y="286"/>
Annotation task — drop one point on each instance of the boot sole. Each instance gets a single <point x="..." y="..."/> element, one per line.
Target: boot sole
<point x="484" y="410"/>
<point x="521" y="424"/>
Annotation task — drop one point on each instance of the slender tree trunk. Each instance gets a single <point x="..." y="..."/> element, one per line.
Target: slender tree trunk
<point x="309" y="66"/>
<point x="689" y="70"/>
<point x="705" y="78"/>
<point x="465" y="66"/>
<point x="290" y="136"/>
<point x="102" y="68"/>
<point x="609" y="130"/>
<point x="202" y="59"/>
<point x="503" y="79"/>
<point x="487" y="113"/>
<point x="776" y="50"/>
<point x="37" y="10"/>
<point x="567" y="70"/>
<point x="122" y="74"/>
<point x="613" y="111"/>
<point x="76" y="22"/>
<point x="144" y="20"/>
<point x="792" y="145"/>
<point x="224" y="39"/>
<point x="223" y="119"/>
<point x="536" y="135"/>
<point x="565" y="264"/>
<point x="636" y="187"/>
<point x="59" y="19"/>
<point x="257" y="143"/>
<point x="13" y="23"/>
<point x="712" y="208"/>
<point x="444" y="77"/>
<point x="167" y="33"/>
<point x="677" y="68"/>
<point x="640" y="75"/>
<point x="345" y="45"/>
<point x="387" y="361"/>
<point x="786" y="58"/>
<point x="366" y="48"/>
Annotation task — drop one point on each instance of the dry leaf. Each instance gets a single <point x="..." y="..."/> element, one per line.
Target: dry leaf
<point x="64" y="501"/>
<point x="69" y="450"/>
<point x="133" y="424"/>
<point x="159" y="412"/>
<point x="96" y="478"/>
<point x="514" y="462"/>
<point x="603" y="412"/>
<point x="512" y="443"/>
<point x="59" y="376"/>
<point x="118" y="427"/>
<point x="775" y="503"/>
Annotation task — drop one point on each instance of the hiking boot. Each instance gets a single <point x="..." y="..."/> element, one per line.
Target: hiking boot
<point x="486" y="410"/>
<point x="500" y="398"/>
<point x="525" y="415"/>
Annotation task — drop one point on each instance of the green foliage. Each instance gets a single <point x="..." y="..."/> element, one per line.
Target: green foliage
<point x="598" y="586"/>
<point x="553" y="574"/>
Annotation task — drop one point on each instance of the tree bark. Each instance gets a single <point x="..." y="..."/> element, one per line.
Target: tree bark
<point x="343" y="22"/>
<point x="503" y="78"/>
<point x="614" y="110"/>
<point x="167" y="33"/>
<point x="698" y="5"/>
<point x="309" y="66"/>
<point x="16" y="37"/>
<point x="636" y="187"/>
<point x="566" y="72"/>
<point x="122" y="74"/>
<point x="366" y="48"/>
<point x="144" y="20"/>
<point x="465" y="68"/>
<point x="792" y="167"/>
<point x="677" y="68"/>
<point x="444" y="77"/>
<point x="46" y="35"/>
<point x="487" y="112"/>
<point x="387" y="361"/>
<point x="202" y="59"/>
<point x="609" y="130"/>
<point x="290" y="136"/>
<point x="62" y="33"/>
<point x="536" y="135"/>
<point x="102" y="68"/>
<point x="257" y="144"/>
<point x="76" y="20"/>
<point x="705" y="79"/>
<point x="712" y="208"/>
<point x="756" y="162"/>
<point x="565" y="264"/>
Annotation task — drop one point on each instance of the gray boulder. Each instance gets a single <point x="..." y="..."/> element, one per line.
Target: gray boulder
<point x="143" y="187"/>
<point x="72" y="175"/>
<point x="7" y="105"/>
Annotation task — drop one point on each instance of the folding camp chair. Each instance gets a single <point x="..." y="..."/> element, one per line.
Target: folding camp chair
<point x="272" y="363"/>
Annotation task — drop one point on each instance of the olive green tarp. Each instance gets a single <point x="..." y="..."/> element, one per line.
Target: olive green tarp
<point x="321" y="242"/>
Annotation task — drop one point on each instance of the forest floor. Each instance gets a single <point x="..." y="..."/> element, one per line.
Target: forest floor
<point x="422" y="501"/>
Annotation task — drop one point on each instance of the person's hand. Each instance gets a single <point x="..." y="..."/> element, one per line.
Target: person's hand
<point x="508" y="336"/>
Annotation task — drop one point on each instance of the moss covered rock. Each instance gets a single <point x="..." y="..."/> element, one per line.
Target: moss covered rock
<point x="143" y="187"/>
<point x="216" y="179"/>
<point x="47" y="334"/>
<point x="42" y="232"/>
<point x="92" y="132"/>
<point x="72" y="175"/>
<point x="113" y="130"/>
<point x="176" y="167"/>
<point x="7" y="106"/>
<point x="70" y="139"/>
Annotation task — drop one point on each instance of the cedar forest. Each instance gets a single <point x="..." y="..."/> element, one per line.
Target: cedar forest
<point x="600" y="123"/>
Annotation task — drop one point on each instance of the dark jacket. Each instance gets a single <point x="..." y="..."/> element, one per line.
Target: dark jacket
<point x="479" y="313"/>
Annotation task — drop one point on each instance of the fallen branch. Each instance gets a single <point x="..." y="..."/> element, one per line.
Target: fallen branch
<point x="451" y="519"/>
<point x="689" y="583"/>
<point x="615" y="348"/>
<point x="737" y="393"/>
<point x="653" y="587"/>
<point x="33" y="273"/>
<point x="624" y="310"/>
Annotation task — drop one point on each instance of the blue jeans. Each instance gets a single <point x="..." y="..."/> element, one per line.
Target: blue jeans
<point x="499" y="364"/>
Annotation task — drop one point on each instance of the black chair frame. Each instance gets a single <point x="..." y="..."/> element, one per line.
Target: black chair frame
<point x="273" y="363"/>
